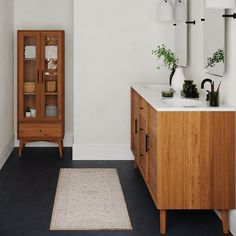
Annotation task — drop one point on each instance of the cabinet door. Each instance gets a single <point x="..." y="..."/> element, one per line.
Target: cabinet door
<point x="28" y="76"/>
<point x="52" y="76"/>
<point x="135" y="124"/>
<point x="152" y="151"/>
<point x="143" y="138"/>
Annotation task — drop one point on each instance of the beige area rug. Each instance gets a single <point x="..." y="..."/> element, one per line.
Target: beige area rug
<point x="89" y="199"/>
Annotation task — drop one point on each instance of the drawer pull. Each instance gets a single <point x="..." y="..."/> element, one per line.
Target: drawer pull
<point x="136" y="126"/>
<point x="141" y="108"/>
<point x="146" y="141"/>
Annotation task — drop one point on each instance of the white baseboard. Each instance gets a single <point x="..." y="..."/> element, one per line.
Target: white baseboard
<point x="102" y="152"/>
<point x="5" y="153"/>
<point x="68" y="142"/>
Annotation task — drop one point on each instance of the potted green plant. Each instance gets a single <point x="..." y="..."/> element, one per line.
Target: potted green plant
<point x="169" y="59"/>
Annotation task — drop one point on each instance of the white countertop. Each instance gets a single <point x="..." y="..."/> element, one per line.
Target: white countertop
<point x="152" y="94"/>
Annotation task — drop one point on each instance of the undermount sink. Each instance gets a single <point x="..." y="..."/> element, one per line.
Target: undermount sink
<point x="156" y="86"/>
<point x="182" y="102"/>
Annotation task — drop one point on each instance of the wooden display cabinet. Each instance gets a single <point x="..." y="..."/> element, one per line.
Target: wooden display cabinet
<point x="40" y="87"/>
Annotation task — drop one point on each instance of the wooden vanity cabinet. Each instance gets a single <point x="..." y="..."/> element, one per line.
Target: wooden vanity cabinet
<point x="188" y="158"/>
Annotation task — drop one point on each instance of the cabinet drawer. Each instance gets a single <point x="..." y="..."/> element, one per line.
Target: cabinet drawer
<point x="40" y="131"/>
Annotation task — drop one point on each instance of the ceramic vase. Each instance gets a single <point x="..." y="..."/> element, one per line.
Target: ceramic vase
<point x="178" y="80"/>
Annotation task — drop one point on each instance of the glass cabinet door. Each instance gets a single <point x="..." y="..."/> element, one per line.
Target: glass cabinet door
<point x="29" y="81"/>
<point x="51" y="91"/>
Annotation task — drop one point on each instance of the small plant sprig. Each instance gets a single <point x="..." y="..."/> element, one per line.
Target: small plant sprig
<point x="169" y="58"/>
<point x="218" y="56"/>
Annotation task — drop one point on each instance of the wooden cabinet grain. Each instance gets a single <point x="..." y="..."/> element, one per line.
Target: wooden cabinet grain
<point x="152" y="151"/>
<point x="40" y="87"/>
<point x="189" y="158"/>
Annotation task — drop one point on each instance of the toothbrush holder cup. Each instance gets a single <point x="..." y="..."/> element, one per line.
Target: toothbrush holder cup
<point x="214" y="98"/>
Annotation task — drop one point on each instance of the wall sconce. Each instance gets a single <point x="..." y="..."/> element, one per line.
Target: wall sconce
<point x="180" y="11"/>
<point x="222" y="4"/>
<point x="165" y="11"/>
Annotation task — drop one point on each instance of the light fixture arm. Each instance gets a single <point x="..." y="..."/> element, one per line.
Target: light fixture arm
<point x="233" y="16"/>
<point x="165" y="11"/>
<point x="191" y="22"/>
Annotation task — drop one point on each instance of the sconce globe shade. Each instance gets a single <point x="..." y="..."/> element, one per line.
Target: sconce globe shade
<point x="180" y="11"/>
<point x="165" y="11"/>
<point x="220" y="4"/>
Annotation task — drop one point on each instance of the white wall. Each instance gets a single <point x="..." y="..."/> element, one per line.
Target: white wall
<point x="6" y="80"/>
<point x="53" y="14"/>
<point x="113" y="45"/>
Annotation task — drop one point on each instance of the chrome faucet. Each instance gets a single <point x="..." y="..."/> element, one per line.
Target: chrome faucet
<point x="203" y="85"/>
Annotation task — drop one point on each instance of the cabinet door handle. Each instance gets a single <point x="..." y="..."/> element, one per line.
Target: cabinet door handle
<point x="146" y="143"/>
<point x="136" y="126"/>
<point x="38" y="76"/>
<point x="42" y="76"/>
<point x="141" y="108"/>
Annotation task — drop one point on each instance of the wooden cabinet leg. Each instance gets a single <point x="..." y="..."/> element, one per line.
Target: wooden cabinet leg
<point x="60" y="146"/>
<point x="163" y="221"/>
<point x="225" y="221"/>
<point x="135" y="164"/>
<point x="21" y="146"/>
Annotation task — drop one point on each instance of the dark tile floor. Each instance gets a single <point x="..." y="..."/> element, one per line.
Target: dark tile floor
<point x="27" y="189"/>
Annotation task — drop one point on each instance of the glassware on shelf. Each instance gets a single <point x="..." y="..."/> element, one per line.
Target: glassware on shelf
<point x="30" y="52"/>
<point x="51" y="110"/>
<point x="33" y="112"/>
<point x="27" y="112"/>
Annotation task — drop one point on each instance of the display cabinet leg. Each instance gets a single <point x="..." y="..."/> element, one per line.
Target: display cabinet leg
<point x="21" y="146"/>
<point x="163" y="221"/>
<point x="60" y="146"/>
<point x="135" y="164"/>
<point x="225" y="221"/>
